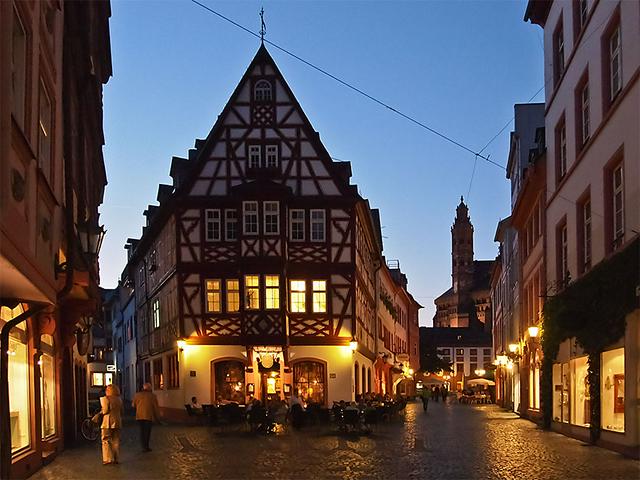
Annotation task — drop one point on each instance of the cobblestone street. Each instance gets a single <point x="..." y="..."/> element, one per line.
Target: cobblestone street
<point x="449" y="442"/>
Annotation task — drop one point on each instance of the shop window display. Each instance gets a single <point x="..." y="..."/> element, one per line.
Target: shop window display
<point x="47" y="386"/>
<point x="581" y="400"/>
<point x="561" y="389"/>
<point x="309" y="380"/>
<point x="612" y="390"/>
<point x="229" y="381"/>
<point x="18" y="356"/>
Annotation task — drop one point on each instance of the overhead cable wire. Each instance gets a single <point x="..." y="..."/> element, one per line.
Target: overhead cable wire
<point x="352" y="87"/>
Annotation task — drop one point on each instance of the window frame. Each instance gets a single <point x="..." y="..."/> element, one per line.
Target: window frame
<point x="275" y="156"/>
<point x="561" y="149"/>
<point x="229" y="220"/>
<point x="246" y="214"/>
<point x="213" y="222"/>
<point x="45" y="163"/>
<point x="299" y="221"/>
<point x="562" y="260"/>
<point x="215" y="293"/>
<point x="322" y="222"/>
<point x="251" y="288"/>
<point x="19" y="96"/>
<point x="559" y="60"/>
<point x="582" y="98"/>
<point x="265" y="214"/>
<point x="268" y="288"/>
<point x="230" y="291"/>
<point x="252" y="150"/>
<point x="258" y="89"/>
<point x="321" y="292"/>
<point x="298" y="291"/>
<point x="156" y="314"/>
<point x="617" y="230"/>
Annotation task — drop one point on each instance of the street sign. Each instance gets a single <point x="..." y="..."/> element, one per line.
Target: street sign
<point x="111" y="368"/>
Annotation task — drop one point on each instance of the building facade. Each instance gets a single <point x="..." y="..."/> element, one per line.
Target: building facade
<point x="257" y="274"/>
<point x="53" y="177"/>
<point x="592" y="66"/>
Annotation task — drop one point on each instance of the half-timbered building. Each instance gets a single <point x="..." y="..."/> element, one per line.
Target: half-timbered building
<point x="256" y="274"/>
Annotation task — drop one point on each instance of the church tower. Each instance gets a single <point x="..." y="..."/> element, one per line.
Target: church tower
<point x="462" y="250"/>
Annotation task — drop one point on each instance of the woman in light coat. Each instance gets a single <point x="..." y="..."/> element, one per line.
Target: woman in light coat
<point x="111" y="424"/>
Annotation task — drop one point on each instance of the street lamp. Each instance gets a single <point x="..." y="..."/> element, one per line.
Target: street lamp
<point x="91" y="238"/>
<point x="513" y="347"/>
<point x="502" y="358"/>
<point x="353" y="344"/>
<point x="533" y="331"/>
<point x="181" y="344"/>
<point x="480" y="372"/>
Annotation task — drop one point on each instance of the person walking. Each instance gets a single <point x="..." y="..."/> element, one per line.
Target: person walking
<point x="111" y="409"/>
<point x="426" y="394"/>
<point x="436" y="393"/>
<point x="146" y="405"/>
<point x="444" y="392"/>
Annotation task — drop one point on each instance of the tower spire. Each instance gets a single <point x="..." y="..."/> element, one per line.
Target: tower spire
<point x="263" y="27"/>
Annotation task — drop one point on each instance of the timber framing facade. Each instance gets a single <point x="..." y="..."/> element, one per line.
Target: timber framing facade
<point x="257" y="273"/>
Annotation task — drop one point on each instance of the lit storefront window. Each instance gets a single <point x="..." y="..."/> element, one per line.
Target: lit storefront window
<point x="47" y="386"/>
<point x="534" y="383"/>
<point x="561" y="386"/>
<point x="308" y="379"/>
<point x="101" y="379"/>
<point x="229" y="381"/>
<point x="18" y="356"/>
<point x="580" y="398"/>
<point x="612" y="390"/>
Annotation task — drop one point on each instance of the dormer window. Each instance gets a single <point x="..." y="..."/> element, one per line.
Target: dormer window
<point x="262" y="91"/>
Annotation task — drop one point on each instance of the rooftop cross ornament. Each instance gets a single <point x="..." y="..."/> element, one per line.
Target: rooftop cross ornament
<point x="263" y="27"/>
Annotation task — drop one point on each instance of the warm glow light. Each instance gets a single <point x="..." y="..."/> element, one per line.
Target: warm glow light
<point x="181" y="344"/>
<point x="411" y="371"/>
<point x="502" y="358"/>
<point x="513" y="347"/>
<point x="533" y="332"/>
<point x="353" y="344"/>
<point x="510" y="365"/>
<point x="480" y="372"/>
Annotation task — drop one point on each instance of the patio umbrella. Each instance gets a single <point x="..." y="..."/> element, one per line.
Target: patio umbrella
<point x="481" y="381"/>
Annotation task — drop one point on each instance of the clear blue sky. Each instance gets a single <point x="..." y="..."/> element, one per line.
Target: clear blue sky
<point x="457" y="66"/>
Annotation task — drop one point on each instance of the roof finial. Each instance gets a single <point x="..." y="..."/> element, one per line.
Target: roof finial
<point x="263" y="27"/>
<point x="461" y="199"/>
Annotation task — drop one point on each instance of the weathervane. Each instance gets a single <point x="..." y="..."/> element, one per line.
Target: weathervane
<point x="263" y="27"/>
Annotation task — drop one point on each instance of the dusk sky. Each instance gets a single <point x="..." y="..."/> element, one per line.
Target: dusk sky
<point x="457" y="67"/>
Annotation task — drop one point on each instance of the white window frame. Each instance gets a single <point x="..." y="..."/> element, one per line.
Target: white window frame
<point x="584" y="109"/>
<point x="586" y="232"/>
<point x="271" y="302"/>
<point x="19" y="68"/>
<point x="45" y="130"/>
<point x="316" y="221"/>
<point x="618" y="228"/>
<point x="235" y="291"/>
<point x="228" y="220"/>
<point x="267" y="212"/>
<point x="252" y="288"/>
<point x="293" y="221"/>
<point x="301" y="305"/>
<point x="615" y="63"/>
<point x="564" y="253"/>
<point x="213" y="225"/>
<point x="216" y="294"/>
<point x="563" y="149"/>
<point x="246" y="214"/>
<point x="319" y="296"/>
<point x="156" y="313"/>
<point x="271" y="156"/>
<point x="559" y="51"/>
<point x="254" y="156"/>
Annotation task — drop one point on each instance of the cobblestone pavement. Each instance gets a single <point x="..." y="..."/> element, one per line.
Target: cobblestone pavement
<point x="449" y="442"/>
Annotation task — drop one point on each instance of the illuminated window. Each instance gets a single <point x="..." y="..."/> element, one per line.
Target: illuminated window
<point x="272" y="156"/>
<point x="271" y="218"/>
<point x="97" y="379"/>
<point x="214" y="296"/>
<point x="262" y="91"/>
<point x="158" y="377"/>
<point x="272" y="289"/>
<point x="173" y="374"/>
<point x="309" y="381"/>
<point x="255" y="156"/>
<point x="612" y="390"/>
<point x="213" y="225"/>
<point x="296" y="225"/>
<point x="318" y="226"/>
<point x="233" y="295"/>
<point x="47" y="386"/>
<point x="231" y="225"/>
<point x="156" y="313"/>
<point x="252" y="292"/>
<point x="18" y="68"/>
<point x="250" y="218"/>
<point x="319" y="296"/>
<point x="229" y="381"/>
<point x="44" y="132"/>
<point x="298" y="294"/>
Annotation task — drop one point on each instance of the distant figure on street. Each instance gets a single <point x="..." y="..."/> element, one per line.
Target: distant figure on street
<point x="436" y="393"/>
<point x="147" y="410"/>
<point x="426" y="394"/>
<point x="111" y="408"/>
<point x="444" y="392"/>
